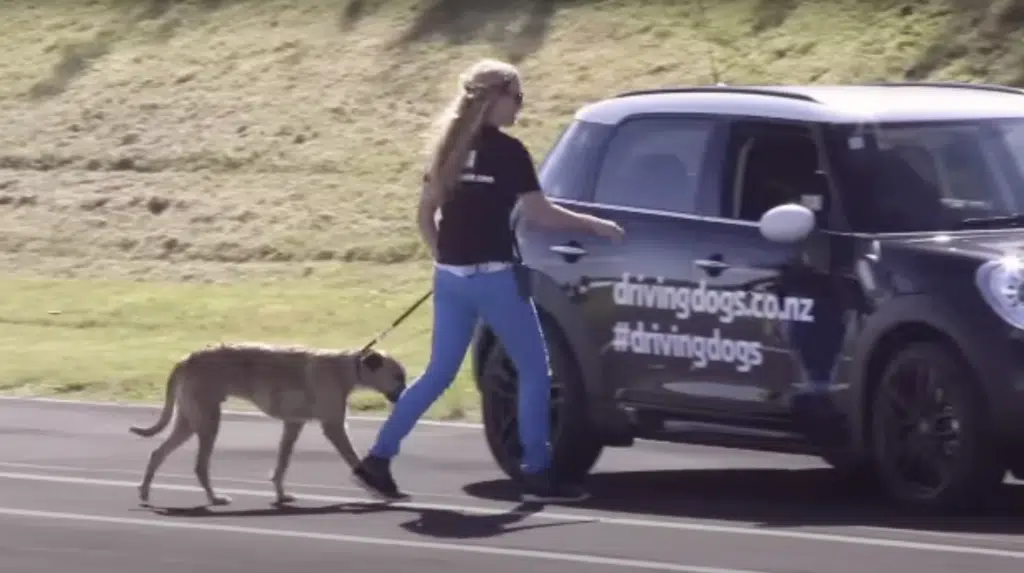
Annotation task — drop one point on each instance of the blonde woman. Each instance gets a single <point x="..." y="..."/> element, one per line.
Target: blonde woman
<point x="476" y="174"/>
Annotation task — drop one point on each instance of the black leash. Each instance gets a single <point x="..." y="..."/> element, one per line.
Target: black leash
<point x="397" y="321"/>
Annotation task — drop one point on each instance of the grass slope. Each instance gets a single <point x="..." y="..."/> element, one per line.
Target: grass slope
<point x="174" y="173"/>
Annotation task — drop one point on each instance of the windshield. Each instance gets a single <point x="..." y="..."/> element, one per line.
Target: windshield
<point x="928" y="176"/>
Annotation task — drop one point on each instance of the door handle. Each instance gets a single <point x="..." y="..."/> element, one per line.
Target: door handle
<point x="713" y="266"/>
<point x="571" y="250"/>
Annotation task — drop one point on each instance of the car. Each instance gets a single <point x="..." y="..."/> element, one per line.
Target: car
<point x="827" y="270"/>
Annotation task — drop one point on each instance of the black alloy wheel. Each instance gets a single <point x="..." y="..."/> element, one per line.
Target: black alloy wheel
<point x="574" y="451"/>
<point x="931" y="438"/>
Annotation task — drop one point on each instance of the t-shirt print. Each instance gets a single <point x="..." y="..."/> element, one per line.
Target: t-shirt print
<point x="469" y="174"/>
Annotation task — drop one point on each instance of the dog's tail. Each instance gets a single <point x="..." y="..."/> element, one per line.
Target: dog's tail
<point x="165" y="414"/>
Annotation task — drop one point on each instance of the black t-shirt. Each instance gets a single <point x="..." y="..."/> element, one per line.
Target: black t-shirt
<point x="475" y="226"/>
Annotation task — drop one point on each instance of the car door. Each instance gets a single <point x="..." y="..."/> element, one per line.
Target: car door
<point x="786" y="299"/>
<point x="646" y="174"/>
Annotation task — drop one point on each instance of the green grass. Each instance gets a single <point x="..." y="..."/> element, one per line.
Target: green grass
<point x="105" y="339"/>
<point x="175" y="173"/>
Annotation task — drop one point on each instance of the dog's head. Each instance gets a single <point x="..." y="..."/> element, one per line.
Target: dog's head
<point x="380" y="372"/>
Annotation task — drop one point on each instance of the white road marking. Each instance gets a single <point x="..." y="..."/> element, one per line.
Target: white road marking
<point x="553" y="516"/>
<point x="362" y="540"/>
<point x="245" y="413"/>
<point x="967" y="536"/>
<point x="295" y="487"/>
<point x="171" y="475"/>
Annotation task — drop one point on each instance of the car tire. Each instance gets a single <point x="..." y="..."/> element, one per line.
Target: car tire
<point x="854" y="475"/>
<point x="847" y="465"/>
<point x="951" y="402"/>
<point x="573" y="448"/>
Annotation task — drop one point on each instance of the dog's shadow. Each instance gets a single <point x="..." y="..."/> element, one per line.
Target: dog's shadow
<point x="275" y="510"/>
<point x="439" y="523"/>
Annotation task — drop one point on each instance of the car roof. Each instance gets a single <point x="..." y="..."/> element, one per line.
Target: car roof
<point x="885" y="102"/>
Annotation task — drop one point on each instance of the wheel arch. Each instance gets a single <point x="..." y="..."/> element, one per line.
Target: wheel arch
<point x="557" y="312"/>
<point x="890" y="343"/>
<point x="914" y="319"/>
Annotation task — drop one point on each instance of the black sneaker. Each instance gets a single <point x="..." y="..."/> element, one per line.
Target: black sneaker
<point x="374" y="476"/>
<point x="543" y="487"/>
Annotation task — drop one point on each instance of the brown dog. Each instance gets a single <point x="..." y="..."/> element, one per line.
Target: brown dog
<point x="288" y="383"/>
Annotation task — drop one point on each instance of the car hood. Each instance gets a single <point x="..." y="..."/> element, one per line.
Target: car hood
<point x="983" y="245"/>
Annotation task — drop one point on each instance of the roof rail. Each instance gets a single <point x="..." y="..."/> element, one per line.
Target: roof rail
<point x="952" y="84"/>
<point x="721" y="89"/>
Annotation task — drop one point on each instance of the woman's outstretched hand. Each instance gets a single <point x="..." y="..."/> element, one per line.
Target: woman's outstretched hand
<point x="608" y="229"/>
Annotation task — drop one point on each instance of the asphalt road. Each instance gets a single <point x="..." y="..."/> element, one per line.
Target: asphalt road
<point x="68" y="503"/>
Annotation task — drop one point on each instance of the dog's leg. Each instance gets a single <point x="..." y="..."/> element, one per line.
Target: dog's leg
<point x="336" y="433"/>
<point x="289" y="435"/>
<point x="180" y="434"/>
<point x="206" y="432"/>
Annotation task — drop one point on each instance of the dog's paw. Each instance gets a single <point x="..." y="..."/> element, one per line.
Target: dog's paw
<point x="220" y="500"/>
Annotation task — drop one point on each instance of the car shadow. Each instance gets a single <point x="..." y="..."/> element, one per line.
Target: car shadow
<point x="438" y="523"/>
<point x="771" y="498"/>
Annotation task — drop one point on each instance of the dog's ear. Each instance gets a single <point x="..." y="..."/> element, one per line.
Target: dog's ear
<point x="372" y="359"/>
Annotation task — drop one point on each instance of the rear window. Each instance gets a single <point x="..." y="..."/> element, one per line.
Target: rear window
<point x="568" y="170"/>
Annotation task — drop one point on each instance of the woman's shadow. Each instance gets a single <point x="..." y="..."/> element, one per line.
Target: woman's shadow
<point x="456" y="525"/>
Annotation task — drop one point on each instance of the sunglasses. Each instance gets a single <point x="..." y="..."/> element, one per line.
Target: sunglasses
<point x="516" y="96"/>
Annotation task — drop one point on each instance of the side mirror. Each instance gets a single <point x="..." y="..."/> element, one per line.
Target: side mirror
<point x="789" y="223"/>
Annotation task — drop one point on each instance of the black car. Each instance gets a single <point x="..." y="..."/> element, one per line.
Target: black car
<point x="825" y="270"/>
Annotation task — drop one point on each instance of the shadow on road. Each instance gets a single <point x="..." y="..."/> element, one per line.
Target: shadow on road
<point x="438" y="523"/>
<point x="768" y="497"/>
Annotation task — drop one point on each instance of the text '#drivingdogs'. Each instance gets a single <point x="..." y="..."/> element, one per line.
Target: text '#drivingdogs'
<point x="699" y="349"/>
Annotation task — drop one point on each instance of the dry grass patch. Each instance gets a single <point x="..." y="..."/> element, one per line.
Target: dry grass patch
<point x="202" y="169"/>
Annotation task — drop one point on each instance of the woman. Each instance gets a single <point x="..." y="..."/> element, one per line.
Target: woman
<point x="476" y="175"/>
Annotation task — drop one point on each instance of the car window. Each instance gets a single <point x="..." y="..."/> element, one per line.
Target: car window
<point x="951" y="160"/>
<point x="928" y="176"/>
<point x="567" y="170"/>
<point x="654" y="163"/>
<point x="777" y="165"/>
<point x="1010" y="141"/>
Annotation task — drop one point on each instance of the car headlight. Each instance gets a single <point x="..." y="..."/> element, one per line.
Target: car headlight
<point x="1002" y="286"/>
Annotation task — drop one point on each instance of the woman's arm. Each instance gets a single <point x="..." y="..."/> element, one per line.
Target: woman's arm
<point x="537" y="209"/>
<point x="425" y="212"/>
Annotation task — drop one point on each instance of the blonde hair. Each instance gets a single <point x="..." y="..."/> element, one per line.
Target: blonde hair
<point x="480" y="86"/>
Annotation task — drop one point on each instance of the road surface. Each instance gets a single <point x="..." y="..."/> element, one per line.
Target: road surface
<point x="68" y="503"/>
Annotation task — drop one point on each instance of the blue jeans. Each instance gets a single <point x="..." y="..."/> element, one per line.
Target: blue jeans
<point x="458" y="303"/>
<point x="819" y="343"/>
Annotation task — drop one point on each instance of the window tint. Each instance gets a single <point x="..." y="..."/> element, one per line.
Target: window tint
<point x="929" y="176"/>
<point x="654" y="163"/>
<point x="1013" y="137"/>
<point x="776" y="165"/>
<point x="567" y="170"/>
